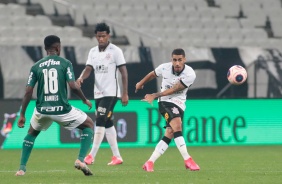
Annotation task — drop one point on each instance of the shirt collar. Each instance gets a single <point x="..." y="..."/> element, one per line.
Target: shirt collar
<point x="175" y="73"/>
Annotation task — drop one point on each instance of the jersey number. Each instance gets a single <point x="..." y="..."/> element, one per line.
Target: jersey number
<point x="50" y="81"/>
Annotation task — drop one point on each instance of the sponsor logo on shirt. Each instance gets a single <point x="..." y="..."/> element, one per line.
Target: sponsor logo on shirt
<point x="101" y="69"/>
<point x="52" y="108"/>
<point x="49" y="62"/>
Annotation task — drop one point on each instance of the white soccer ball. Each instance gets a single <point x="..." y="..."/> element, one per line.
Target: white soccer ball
<point x="237" y="75"/>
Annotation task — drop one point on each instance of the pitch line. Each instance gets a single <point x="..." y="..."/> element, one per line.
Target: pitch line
<point x="36" y="171"/>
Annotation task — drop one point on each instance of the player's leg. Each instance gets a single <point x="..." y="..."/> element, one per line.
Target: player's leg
<point x="86" y="137"/>
<point x="110" y="130"/>
<point x="27" y="146"/>
<point x="159" y="150"/>
<point x="176" y="124"/>
<point x="111" y="136"/>
<point x="38" y="122"/>
<point x="78" y="119"/>
<point x="99" y="131"/>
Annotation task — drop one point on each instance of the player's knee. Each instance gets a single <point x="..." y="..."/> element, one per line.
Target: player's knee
<point x="169" y="133"/>
<point x="89" y="123"/>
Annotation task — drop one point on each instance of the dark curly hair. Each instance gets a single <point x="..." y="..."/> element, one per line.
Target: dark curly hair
<point x="100" y="27"/>
<point x="50" y="40"/>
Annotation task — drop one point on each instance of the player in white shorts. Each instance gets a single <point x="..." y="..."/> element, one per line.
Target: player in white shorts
<point x="52" y="74"/>
<point x="69" y="121"/>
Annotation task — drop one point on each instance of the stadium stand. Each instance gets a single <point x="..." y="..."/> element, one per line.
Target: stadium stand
<point x="158" y="24"/>
<point x="156" y="18"/>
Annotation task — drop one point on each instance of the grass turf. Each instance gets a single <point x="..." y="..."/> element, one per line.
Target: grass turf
<point x="219" y="165"/>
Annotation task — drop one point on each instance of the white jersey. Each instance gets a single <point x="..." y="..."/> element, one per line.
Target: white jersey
<point x="186" y="77"/>
<point x="105" y="70"/>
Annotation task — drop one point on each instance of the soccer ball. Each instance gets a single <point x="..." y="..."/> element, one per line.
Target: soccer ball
<point x="237" y="75"/>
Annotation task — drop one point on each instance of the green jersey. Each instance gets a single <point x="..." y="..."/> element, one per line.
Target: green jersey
<point x="52" y="74"/>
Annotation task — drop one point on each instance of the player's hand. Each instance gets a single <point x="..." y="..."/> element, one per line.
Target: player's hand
<point x="124" y="99"/>
<point x="149" y="98"/>
<point x="21" y="122"/>
<point x="88" y="103"/>
<point x="138" y="86"/>
<point x="79" y="81"/>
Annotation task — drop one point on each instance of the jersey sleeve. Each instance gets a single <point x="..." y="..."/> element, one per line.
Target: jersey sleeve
<point x="32" y="78"/>
<point x="69" y="73"/>
<point x="189" y="79"/>
<point x="88" y="62"/>
<point x="158" y="70"/>
<point x="119" y="57"/>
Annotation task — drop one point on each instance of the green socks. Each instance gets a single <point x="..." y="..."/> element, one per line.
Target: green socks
<point x="28" y="143"/>
<point x="85" y="142"/>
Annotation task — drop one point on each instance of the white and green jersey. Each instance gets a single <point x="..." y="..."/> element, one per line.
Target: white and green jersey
<point x="52" y="74"/>
<point x="170" y="78"/>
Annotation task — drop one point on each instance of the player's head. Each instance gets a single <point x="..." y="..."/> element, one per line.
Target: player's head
<point x="178" y="59"/>
<point x="52" y="44"/>
<point x="102" y="32"/>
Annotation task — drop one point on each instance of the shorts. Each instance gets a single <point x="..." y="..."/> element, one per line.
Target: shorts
<point x="69" y="121"/>
<point x="105" y="106"/>
<point x="169" y="111"/>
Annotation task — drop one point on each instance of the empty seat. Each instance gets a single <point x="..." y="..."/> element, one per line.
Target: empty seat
<point x="16" y="9"/>
<point x="40" y="20"/>
<point x="4" y="21"/>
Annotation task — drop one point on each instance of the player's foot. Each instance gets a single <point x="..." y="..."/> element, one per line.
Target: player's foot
<point x="83" y="167"/>
<point x="116" y="161"/>
<point x="89" y="159"/>
<point x="190" y="164"/>
<point x="20" y="173"/>
<point x="149" y="166"/>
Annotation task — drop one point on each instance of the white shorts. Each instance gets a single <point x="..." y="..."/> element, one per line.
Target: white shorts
<point x="69" y="121"/>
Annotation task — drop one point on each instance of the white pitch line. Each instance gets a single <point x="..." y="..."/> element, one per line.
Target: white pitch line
<point x="36" y="171"/>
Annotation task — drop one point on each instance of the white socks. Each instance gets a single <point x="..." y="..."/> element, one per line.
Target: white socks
<point x="111" y="135"/>
<point x="159" y="150"/>
<point x="98" y="138"/>
<point x="180" y="143"/>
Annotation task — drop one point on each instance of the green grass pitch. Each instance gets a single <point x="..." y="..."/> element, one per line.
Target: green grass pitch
<point x="219" y="165"/>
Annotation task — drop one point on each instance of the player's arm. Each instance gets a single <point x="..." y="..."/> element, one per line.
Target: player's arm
<point x="84" y="74"/>
<point x="124" y="77"/>
<point x="75" y="88"/>
<point x="175" y="88"/>
<point x="26" y="99"/>
<point x="150" y="76"/>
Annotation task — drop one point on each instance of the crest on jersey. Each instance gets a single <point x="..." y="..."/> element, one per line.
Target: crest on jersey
<point x="108" y="56"/>
<point x="175" y="110"/>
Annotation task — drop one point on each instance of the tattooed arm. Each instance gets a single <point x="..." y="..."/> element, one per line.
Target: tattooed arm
<point x="175" y="88"/>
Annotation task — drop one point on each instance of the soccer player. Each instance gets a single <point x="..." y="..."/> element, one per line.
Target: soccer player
<point x="105" y="59"/>
<point x="176" y="79"/>
<point x="52" y="74"/>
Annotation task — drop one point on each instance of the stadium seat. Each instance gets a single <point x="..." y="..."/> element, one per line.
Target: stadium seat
<point x="4" y="22"/>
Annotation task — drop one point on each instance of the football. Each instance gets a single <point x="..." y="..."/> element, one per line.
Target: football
<point x="237" y="75"/>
